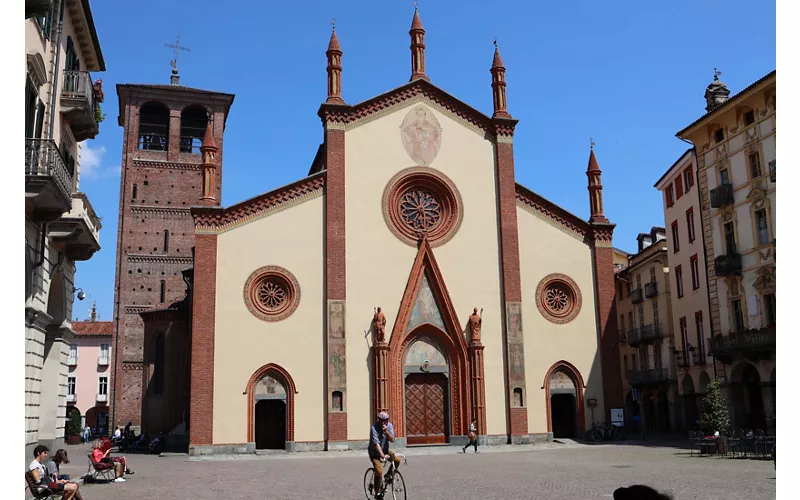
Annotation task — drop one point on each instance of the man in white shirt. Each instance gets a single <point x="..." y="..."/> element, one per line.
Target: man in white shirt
<point x="117" y="434"/>
<point x="43" y="479"/>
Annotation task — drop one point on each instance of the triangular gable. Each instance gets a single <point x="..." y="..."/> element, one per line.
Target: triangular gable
<point x="426" y="301"/>
<point x="414" y="91"/>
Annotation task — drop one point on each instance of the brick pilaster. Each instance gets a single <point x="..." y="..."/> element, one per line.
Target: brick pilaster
<point x="512" y="289"/>
<point x="380" y="374"/>
<point x="335" y="274"/>
<point x="477" y="386"/>
<point x="201" y="409"/>
<point x="603" y="262"/>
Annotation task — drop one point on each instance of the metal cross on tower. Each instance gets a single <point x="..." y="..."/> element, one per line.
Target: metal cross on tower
<point x="591" y="143"/>
<point x="177" y="47"/>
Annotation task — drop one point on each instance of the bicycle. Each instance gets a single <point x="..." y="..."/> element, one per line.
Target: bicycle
<point x="391" y="479"/>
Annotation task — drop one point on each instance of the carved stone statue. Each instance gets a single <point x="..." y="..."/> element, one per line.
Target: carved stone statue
<point x="475" y="325"/>
<point x="379" y="323"/>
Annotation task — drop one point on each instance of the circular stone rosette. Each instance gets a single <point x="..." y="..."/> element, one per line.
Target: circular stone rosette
<point x="421" y="201"/>
<point x="558" y="298"/>
<point x="271" y="293"/>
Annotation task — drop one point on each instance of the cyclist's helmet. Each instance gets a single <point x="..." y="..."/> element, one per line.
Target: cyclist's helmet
<point x="383" y="416"/>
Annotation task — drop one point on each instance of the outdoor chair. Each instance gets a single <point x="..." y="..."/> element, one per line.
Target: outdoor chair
<point x="38" y="491"/>
<point x="100" y="470"/>
<point x="734" y="441"/>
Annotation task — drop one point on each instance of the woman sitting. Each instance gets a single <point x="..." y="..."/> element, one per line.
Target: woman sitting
<point x="120" y="463"/>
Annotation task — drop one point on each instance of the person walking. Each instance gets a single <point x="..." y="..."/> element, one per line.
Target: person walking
<point x="473" y="436"/>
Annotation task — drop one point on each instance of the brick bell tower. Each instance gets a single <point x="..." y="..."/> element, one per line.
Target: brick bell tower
<point x="162" y="177"/>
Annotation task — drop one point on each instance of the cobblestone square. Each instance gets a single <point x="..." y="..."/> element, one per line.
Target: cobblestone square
<point x="550" y="471"/>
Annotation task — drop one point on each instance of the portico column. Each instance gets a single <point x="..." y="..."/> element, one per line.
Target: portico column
<point x="767" y="389"/>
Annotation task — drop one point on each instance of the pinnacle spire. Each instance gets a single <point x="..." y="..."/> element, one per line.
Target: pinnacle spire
<point x="593" y="166"/>
<point x="417" y="33"/>
<point x="208" y="138"/>
<point x="334" y="43"/>
<point x="595" y="189"/>
<point x="497" y="62"/>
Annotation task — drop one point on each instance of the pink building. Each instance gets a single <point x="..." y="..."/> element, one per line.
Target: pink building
<point x="89" y="375"/>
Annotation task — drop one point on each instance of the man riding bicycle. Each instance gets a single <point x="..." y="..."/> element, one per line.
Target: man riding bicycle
<point x="381" y="434"/>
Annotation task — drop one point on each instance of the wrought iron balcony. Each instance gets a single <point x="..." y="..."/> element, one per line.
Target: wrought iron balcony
<point x="753" y="344"/>
<point x="698" y="357"/>
<point x="727" y="265"/>
<point x="79" y="104"/>
<point x="681" y="359"/>
<point x="642" y="378"/>
<point x="722" y="195"/>
<point x="636" y="295"/>
<point x="37" y="8"/>
<point x="78" y="230"/>
<point x="651" y="289"/>
<point x="48" y="181"/>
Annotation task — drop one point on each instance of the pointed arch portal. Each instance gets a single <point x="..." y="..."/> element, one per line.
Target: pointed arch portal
<point x="424" y="376"/>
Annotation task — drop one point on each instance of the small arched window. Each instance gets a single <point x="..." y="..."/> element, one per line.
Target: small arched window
<point x="166" y="240"/>
<point x="163" y="291"/>
<point x="194" y="120"/>
<point x="135" y="191"/>
<point x="154" y="127"/>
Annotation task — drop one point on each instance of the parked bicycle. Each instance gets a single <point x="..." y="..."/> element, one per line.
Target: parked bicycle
<point x="392" y="481"/>
<point x="600" y="432"/>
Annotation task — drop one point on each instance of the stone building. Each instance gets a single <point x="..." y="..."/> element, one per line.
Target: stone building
<point x="687" y="265"/>
<point x="646" y="328"/>
<point x="407" y="272"/>
<point x="62" y="109"/>
<point x="735" y="147"/>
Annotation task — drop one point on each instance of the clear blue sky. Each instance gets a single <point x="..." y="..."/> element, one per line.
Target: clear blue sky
<point x="629" y="74"/>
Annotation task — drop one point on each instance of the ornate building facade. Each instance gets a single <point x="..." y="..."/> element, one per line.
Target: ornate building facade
<point x="407" y="272"/>
<point x="62" y="109"/>
<point x="735" y="148"/>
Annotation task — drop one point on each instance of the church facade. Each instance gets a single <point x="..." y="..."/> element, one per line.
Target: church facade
<point x="408" y="272"/>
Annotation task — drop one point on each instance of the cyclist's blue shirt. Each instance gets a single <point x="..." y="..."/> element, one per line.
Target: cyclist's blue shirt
<point x="377" y="436"/>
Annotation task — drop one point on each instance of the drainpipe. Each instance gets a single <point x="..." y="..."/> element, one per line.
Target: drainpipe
<point x="54" y="69"/>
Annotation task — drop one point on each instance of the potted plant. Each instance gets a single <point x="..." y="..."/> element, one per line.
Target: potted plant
<point x="72" y="429"/>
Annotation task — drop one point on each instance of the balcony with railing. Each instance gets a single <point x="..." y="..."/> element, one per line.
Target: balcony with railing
<point x="79" y="104"/>
<point x="728" y="264"/>
<point x="72" y="360"/>
<point x="682" y="359"/>
<point x="644" y="334"/>
<point x="651" y="289"/>
<point x="636" y="295"/>
<point x="78" y="230"/>
<point x="71" y="398"/>
<point x="48" y="180"/>
<point x="103" y="361"/>
<point x="37" y="8"/>
<point x="721" y="195"/>
<point x="102" y="398"/>
<point x="752" y="344"/>
<point x="644" y="378"/>
<point x="698" y="357"/>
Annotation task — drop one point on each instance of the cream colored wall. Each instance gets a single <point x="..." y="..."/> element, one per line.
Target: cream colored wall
<point x="545" y="249"/>
<point x="378" y="264"/>
<point x="692" y="300"/>
<point x="293" y="239"/>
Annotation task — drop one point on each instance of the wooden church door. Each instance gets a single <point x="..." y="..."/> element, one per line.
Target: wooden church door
<point x="426" y="408"/>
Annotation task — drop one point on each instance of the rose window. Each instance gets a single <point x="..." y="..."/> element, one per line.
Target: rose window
<point x="558" y="298"/>
<point x="271" y="293"/>
<point x="420" y="210"/>
<point x="421" y="201"/>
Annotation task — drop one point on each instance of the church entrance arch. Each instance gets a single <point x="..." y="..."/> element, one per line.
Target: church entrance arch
<point x="748" y="401"/>
<point x="426" y="388"/>
<point x="564" y="399"/>
<point x="270" y="408"/>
